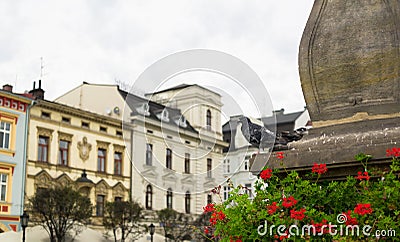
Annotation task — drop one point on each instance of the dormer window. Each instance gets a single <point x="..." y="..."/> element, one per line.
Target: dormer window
<point x="144" y="109"/>
<point x="165" y="115"/>
<point x="180" y="121"/>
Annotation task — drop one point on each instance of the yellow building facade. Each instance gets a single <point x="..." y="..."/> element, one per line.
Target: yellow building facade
<point x="74" y="147"/>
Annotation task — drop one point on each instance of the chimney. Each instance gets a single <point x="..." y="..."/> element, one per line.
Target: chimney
<point x="279" y="111"/>
<point x="37" y="93"/>
<point x="7" y="88"/>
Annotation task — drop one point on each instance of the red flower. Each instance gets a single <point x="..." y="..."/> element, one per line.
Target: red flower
<point x="362" y="176"/>
<point x="299" y="215"/>
<point x="279" y="155"/>
<point x="266" y="174"/>
<point x="363" y="209"/>
<point x="289" y="202"/>
<point x="350" y="220"/>
<point x="319" y="168"/>
<point x="209" y="208"/>
<point x="272" y="208"/>
<point x="395" y="152"/>
<point x="318" y="227"/>
<point x="206" y="230"/>
<point x="217" y="216"/>
<point x="235" y="239"/>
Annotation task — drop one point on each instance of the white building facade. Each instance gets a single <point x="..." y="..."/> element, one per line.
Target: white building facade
<point x="175" y="150"/>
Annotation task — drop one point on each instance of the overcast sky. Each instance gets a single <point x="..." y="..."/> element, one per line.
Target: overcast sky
<point x="100" y="41"/>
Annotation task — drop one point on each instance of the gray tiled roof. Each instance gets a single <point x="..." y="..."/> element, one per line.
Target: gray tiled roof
<point x="134" y="102"/>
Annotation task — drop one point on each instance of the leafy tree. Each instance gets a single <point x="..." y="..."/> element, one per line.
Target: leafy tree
<point x="176" y="225"/>
<point x="202" y="230"/>
<point x="60" y="211"/>
<point x="124" y="217"/>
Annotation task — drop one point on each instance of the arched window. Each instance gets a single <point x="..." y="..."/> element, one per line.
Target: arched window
<point x="169" y="198"/>
<point x="187" y="202"/>
<point x="208" y="118"/>
<point x="149" y="197"/>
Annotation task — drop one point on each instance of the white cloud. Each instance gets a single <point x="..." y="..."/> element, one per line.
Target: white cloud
<point x="98" y="41"/>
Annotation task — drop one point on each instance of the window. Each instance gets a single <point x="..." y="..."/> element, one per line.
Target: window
<point x="63" y="154"/>
<point x="3" y="187"/>
<point x="169" y="198"/>
<point x="187" y="163"/>
<point x="165" y="115"/>
<point x="45" y="115"/>
<point x="65" y="120"/>
<point x="168" y="159"/>
<point x="187" y="202"/>
<point x="246" y="165"/>
<point x="208" y="119"/>
<point x="227" y="166"/>
<point x="248" y="190"/>
<point x="209" y="198"/>
<point x="209" y="167"/>
<point x="85" y="125"/>
<point x="100" y="205"/>
<point x="118" y="133"/>
<point x="101" y="160"/>
<point x="118" y="163"/>
<point x="149" y="197"/>
<point x="43" y="149"/>
<point x="103" y="129"/>
<point x="226" y="192"/>
<point x="149" y="154"/>
<point x="5" y="134"/>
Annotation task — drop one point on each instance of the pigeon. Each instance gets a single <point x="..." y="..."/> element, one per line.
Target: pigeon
<point x="256" y="134"/>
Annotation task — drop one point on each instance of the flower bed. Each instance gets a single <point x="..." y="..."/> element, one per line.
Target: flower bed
<point x="361" y="208"/>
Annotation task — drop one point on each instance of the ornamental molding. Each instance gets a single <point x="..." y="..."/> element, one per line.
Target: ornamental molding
<point x="102" y="144"/>
<point x="119" y="148"/>
<point x="84" y="149"/>
<point x="44" y="131"/>
<point x="64" y="136"/>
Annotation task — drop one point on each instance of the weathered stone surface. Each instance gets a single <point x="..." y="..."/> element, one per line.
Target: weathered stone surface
<point x="338" y="144"/>
<point x="349" y="58"/>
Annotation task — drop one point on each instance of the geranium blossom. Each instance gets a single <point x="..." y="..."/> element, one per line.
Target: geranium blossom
<point x="350" y="220"/>
<point x="395" y="152"/>
<point x="266" y="174"/>
<point x="319" y="168"/>
<point x="363" y="209"/>
<point x="209" y="208"/>
<point x="318" y="227"/>
<point x="279" y="155"/>
<point x="361" y="176"/>
<point x="289" y="202"/>
<point x="272" y="208"/>
<point x="217" y="216"/>
<point x="299" y="215"/>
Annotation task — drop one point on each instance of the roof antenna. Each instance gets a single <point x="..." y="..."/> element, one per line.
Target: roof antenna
<point x="41" y="67"/>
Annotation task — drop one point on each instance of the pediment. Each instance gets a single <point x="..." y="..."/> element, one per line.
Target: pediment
<point x="169" y="175"/>
<point x="149" y="171"/>
<point x="188" y="179"/>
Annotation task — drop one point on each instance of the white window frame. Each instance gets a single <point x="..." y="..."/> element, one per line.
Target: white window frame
<point x="3" y="184"/>
<point x="5" y="133"/>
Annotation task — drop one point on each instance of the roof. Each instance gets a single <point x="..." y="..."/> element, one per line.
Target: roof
<point x="182" y="86"/>
<point x="281" y="118"/>
<point x="134" y="102"/>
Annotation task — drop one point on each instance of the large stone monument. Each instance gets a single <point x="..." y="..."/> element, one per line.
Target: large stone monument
<point x="349" y="65"/>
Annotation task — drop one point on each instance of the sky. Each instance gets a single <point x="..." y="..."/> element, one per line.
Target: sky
<point x="104" y="41"/>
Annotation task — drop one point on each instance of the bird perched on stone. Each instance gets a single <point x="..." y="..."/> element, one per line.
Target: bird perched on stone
<point x="256" y="134"/>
